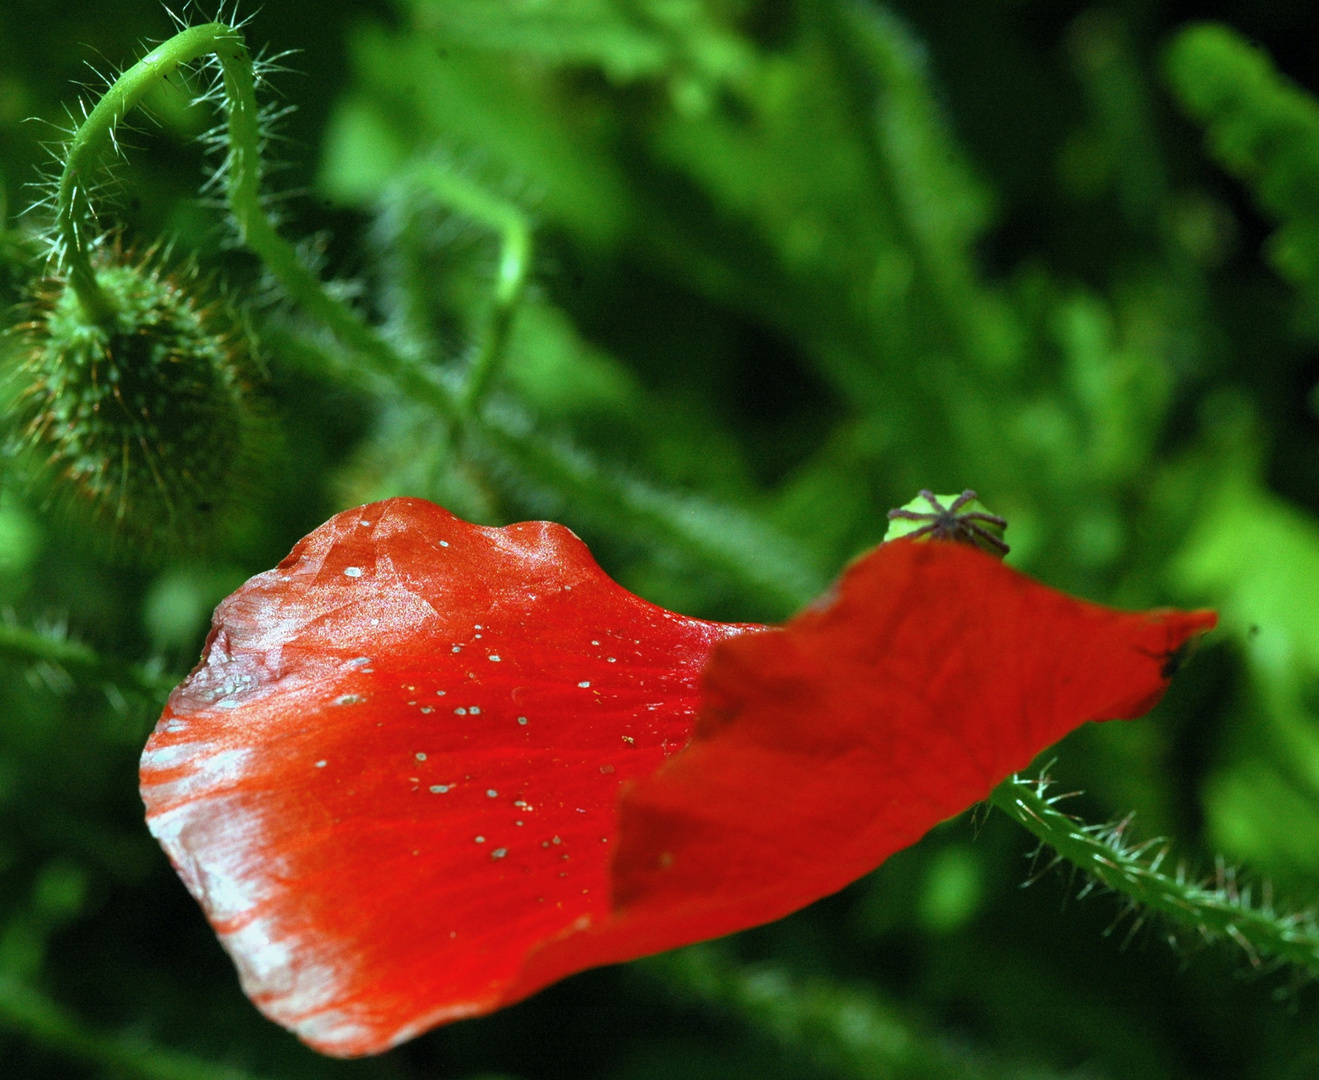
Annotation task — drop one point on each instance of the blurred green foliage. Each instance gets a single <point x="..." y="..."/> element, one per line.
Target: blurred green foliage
<point x="795" y="259"/>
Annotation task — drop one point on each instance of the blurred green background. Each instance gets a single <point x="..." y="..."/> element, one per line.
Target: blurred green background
<point x="795" y="259"/>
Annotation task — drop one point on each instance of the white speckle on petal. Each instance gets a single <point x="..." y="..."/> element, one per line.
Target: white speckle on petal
<point x="480" y="839"/>
<point x="420" y="756"/>
<point x="492" y="793"/>
<point x="321" y="764"/>
<point x="459" y="711"/>
<point x="499" y="853"/>
<point x="584" y="683"/>
<point x="475" y="710"/>
<point x="352" y="571"/>
<point x="165" y="757"/>
<point x="522" y="720"/>
<point x="439" y="789"/>
<point x="495" y="659"/>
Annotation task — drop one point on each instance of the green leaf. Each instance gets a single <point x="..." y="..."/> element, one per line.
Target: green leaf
<point x="1264" y="130"/>
<point x="1257" y="560"/>
<point x="605" y="33"/>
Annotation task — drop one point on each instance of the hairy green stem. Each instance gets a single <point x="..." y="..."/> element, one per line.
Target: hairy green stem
<point x="472" y="201"/>
<point x="1216" y="910"/>
<point x="724" y="539"/>
<point x="243" y="176"/>
<point x="82" y="157"/>
<point x="25" y="644"/>
<point x="243" y="183"/>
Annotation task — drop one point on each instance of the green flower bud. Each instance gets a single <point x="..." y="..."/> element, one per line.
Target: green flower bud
<point x="961" y="518"/>
<point x="141" y="417"/>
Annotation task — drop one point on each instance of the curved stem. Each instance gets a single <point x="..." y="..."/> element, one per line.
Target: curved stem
<point x="472" y="201"/>
<point x="1216" y="909"/>
<point x="73" y="209"/>
<point x="242" y="171"/>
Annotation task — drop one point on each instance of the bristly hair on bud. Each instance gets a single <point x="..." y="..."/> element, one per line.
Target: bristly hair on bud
<point x="141" y="419"/>
<point x="130" y="391"/>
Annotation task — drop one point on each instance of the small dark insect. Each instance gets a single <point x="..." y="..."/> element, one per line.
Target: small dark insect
<point x="949" y="523"/>
<point x="1173" y="661"/>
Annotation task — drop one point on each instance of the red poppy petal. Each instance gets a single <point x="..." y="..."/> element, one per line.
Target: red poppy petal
<point x="395" y="770"/>
<point x="393" y="782"/>
<point x="823" y="748"/>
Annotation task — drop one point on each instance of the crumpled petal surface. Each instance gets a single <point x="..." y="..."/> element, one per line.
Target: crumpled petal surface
<point x="934" y="673"/>
<point x="426" y="768"/>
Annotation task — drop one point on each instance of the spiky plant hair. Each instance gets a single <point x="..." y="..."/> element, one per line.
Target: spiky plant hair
<point x="132" y="391"/>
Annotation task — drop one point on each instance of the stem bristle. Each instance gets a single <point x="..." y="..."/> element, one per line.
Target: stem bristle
<point x="1215" y="908"/>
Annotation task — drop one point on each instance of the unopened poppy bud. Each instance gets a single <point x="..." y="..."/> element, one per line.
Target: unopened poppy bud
<point x="140" y="415"/>
<point x="962" y="518"/>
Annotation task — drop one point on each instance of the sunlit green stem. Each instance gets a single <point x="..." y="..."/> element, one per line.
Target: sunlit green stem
<point x="472" y="201"/>
<point x="28" y="644"/>
<point x="1216" y="910"/>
